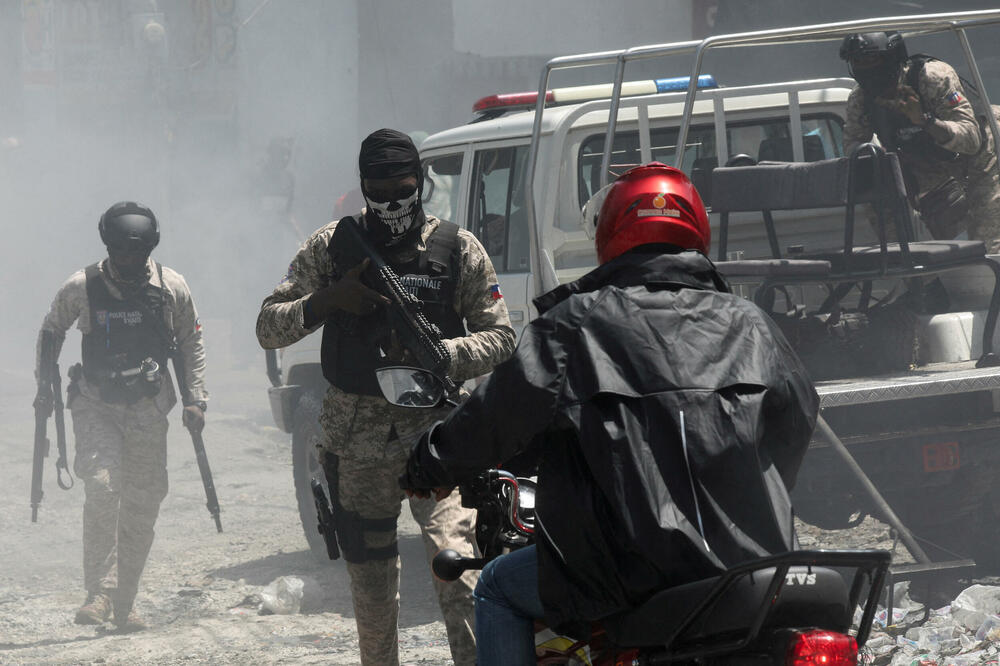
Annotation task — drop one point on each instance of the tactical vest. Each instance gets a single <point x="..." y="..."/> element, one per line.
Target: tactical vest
<point x="123" y="333"/>
<point x="898" y="134"/>
<point x="351" y="348"/>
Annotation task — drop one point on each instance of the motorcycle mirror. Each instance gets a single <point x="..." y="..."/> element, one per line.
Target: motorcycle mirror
<point x="410" y="387"/>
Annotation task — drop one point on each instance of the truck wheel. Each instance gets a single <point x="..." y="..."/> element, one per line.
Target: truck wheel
<point x="305" y="466"/>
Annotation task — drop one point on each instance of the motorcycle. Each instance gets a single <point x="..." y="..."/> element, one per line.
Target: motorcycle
<point x="796" y="608"/>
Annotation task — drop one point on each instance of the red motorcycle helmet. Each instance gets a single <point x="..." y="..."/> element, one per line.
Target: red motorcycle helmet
<point x="653" y="203"/>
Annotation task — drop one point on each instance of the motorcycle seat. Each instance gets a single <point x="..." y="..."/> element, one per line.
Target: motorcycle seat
<point x="810" y="597"/>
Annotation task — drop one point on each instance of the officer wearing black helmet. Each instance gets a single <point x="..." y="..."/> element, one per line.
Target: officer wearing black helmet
<point x="919" y="109"/>
<point x="133" y="314"/>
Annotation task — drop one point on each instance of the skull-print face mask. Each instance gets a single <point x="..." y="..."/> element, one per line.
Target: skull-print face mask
<point x="396" y="217"/>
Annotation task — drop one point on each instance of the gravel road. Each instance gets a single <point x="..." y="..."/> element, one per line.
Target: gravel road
<point x="201" y="589"/>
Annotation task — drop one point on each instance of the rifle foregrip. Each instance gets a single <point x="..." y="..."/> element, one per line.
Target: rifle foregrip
<point x="395" y="287"/>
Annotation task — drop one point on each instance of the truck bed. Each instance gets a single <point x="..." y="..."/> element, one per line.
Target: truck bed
<point x="923" y="381"/>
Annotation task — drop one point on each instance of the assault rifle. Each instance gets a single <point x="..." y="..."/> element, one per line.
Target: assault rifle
<point x="405" y="311"/>
<point x="48" y="400"/>
<point x="212" y="500"/>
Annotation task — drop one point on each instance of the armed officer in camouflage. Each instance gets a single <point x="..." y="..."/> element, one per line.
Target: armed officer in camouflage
<point x="133" y="314"/>
<point x="918" y="108"/>
<point x="365" y="437"/>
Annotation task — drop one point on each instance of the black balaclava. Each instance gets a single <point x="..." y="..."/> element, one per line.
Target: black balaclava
<point x="389" y="153"/>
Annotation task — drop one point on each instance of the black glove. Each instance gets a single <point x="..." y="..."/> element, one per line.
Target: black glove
<point x="424" y="470"/>
<point x="348" y="294"/>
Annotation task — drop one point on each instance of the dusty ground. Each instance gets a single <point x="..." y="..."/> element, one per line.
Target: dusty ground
<point x="200" y="589"/>
<point x="197" y="580"/>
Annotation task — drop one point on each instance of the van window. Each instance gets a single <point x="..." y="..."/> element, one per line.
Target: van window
<point x="442" y="176"/>
<point x="762" y="140"/>
<point x="496" y="207"/>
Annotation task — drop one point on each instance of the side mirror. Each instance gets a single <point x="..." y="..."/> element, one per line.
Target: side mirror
<point x="410" y="387"/>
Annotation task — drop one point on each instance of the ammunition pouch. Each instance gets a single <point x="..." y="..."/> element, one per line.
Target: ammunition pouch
<point x="130" y="385"/>
<point x="943" y="209"/>
<point x="351" y="529"/>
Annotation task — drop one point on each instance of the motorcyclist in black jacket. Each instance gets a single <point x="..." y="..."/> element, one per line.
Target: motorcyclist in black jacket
<point x="669" y="415"/>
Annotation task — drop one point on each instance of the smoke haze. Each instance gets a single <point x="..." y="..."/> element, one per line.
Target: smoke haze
<point x="238" y="121"/>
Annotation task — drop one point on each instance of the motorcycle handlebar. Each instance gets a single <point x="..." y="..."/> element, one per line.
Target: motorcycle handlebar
<point x="448" y="565"/>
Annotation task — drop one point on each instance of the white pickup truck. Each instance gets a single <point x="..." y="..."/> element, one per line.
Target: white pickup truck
<point x="518" y="174"/>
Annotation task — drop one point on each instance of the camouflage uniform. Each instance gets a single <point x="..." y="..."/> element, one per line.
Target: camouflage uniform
<point x="121" y="450"/>
<point x="942" y="94"/>
<point x="373" y="439"/>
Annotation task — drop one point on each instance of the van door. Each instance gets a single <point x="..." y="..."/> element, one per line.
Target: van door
<point x="497" y="218"/>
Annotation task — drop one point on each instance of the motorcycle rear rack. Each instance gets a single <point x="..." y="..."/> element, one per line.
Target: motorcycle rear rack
<point x="872" y="565"/>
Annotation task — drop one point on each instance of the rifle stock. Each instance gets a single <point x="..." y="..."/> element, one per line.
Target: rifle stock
<point x="47" y="401"/>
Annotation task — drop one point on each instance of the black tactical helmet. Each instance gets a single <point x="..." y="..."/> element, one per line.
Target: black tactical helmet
<point x="129" y="226"/>
<point x="889" y="45"/>
<point x="874" y="58"/>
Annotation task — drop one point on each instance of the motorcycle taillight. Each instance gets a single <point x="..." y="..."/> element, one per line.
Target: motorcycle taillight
<point x="817" y="647"/>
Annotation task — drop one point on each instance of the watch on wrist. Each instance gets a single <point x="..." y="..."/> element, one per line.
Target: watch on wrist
<point x="200" y="404"/>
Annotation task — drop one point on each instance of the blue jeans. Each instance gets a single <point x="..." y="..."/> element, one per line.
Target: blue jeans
<point x="507" y="604"/>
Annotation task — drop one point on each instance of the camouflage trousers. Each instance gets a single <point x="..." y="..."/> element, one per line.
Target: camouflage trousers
<point x="371" y="489"/>
<point x="983" y="219"/>
<point x="121" y="456"/>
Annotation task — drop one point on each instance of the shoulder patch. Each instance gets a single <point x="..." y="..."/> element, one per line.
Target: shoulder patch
<point x="954" y="98"/>
<point x="495" y="292"/>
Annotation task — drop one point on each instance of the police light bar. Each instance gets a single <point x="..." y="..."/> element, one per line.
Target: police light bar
<point x="584" y="93"/>
<point x="510" y="100"/>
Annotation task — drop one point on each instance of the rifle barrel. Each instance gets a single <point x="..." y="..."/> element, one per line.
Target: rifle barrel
<point x="206" y="478"/>
<point x="41" y="451"/>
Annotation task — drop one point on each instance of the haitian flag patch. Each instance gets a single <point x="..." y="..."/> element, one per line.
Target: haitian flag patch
<point x="495" y="292"/>
<point x="954" y="98"/>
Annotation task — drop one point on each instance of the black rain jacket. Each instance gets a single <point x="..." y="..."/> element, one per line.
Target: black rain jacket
<point x="670" y="417"/>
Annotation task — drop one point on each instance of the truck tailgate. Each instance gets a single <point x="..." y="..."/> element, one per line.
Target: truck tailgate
<point x="924" y="381"/>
